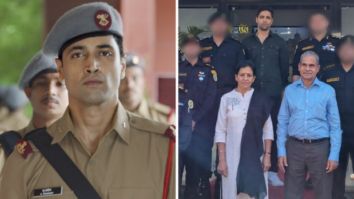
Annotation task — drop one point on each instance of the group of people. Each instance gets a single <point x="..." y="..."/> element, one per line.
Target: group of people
<point x="92" y="133"/>
<point x="240" y="96"/>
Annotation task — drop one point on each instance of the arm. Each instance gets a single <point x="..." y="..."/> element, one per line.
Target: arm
<point x="283" y="123"/>
<point x="335" y="132"/>
<point x="284" y="62"/>
<point x="220" y="138"/>
<point x="13" y="184"/>
<point x="268" y="137"/>
<point x="208" y="97"/>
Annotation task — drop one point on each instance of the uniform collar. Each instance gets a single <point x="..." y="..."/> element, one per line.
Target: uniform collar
<point x="64" y="125"/>
<point x="324" y="38"/>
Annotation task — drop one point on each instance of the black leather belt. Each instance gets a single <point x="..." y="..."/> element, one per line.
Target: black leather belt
<point x="308" y="141"/>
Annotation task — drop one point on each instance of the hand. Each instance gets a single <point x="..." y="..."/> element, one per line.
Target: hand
<point x="331" y="166"/>
<point x="193" y="125"/>
<point x="282" y="163"/>
<point x="266" y="162"/>
<point x="222" y="168"/>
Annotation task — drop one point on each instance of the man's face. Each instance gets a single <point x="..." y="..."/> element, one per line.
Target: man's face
<point x="191" y="50"/>
<point x="92" y="69"/>
<point x="219" y="27"/>
<point x="264" y="20"/>
<point x="48" y="95"/>
<point x="131" y="90"/>
<point x="318" y="24"/>
<point x="308" y="68"/>
<point x="346" y="53"/>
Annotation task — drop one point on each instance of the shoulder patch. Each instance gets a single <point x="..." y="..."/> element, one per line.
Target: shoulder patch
<point x="23" y="147"/>
<point x="328" y="67"/>
<point x="147" y="125"/>
<point x="333" y="79"/>
<point x="207" y="48"/>
<point x="308" y="47"/>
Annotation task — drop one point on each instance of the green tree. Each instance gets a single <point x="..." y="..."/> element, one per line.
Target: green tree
<point x="21" y="23"/>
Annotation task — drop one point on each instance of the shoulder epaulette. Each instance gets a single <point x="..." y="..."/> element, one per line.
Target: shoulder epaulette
<point x="151" y="126"/>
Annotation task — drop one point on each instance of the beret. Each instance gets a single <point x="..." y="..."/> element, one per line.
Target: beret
<point x="218" y="15"/>
<point x="37" y="64"/>
<point x="190" y="38"/>
<point x="12" y="97"/>
<point x="96" y="17"/>
<point x="132" y="59"/>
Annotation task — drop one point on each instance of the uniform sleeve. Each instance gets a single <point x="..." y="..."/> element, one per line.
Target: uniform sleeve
<point x="208" y="99"/>
<point x="284" y="62"/>
<point x="221" y="123"/>
<point x="296" y="59"/>
<point x="335" y="132"/>
<point x="13" y="183"/>
<point x="268" y="133"/>
<point x="283" y="123"/>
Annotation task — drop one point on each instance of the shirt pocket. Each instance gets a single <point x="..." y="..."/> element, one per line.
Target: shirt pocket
<point x="132" y="193"/>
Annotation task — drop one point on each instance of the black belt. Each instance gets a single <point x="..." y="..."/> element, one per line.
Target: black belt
<point x="308" y="141"/>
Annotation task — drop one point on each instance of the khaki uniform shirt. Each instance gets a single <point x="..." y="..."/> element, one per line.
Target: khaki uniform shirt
<point x="129" y="162"/>
<point x="156" y="111"/>
<point x="22" y="132"/>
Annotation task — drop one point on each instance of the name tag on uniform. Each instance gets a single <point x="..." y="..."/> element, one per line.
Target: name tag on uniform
<point x="308" y="47"/>
<point x="334" y="79"/>
<point x="207" y="48"/>
<point x="45" y="192"/>
<point x="182" y="74"/>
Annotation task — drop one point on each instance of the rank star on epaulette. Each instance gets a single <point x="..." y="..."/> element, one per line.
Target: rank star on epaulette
<point x="23" y="148"/>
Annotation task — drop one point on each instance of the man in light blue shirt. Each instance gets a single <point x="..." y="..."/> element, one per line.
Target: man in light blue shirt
<point x="309" y="133"/>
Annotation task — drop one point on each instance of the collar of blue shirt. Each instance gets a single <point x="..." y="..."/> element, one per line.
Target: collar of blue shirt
<point x="316" y="82"/>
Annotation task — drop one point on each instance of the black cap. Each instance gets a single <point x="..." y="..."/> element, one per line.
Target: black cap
<point x="348" y="39"/>
<point x="218" y="15"/>
<point x="189" y="39"/>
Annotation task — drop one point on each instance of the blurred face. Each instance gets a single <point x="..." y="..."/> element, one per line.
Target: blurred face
<point x="245" y="78"/>
<point x="308" y="68"/>
<point x="318" y="24"/>
<point x="131" y="90"/>
<point x="264" y="20"/>
<point x="219" y="27"/>
<point x="346" y="53"/>
<point x="92" y="68"/>
<point x="48" y="96"/>
<point x="191" y="50"/>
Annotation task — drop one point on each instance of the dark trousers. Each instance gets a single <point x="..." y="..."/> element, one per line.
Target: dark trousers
<point x="197" y="162"/>
<point x="303" y="158"/>
<point x="274" y="150"/>
<point x="347" y="150"/>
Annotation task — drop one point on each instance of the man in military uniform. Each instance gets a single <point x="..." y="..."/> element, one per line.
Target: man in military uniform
<point x="12" y="102"/>
<point x="270" y="54"/>
<point x="131" y="93"/>
<point x="224" y="53"/>
<point x="341" y="78"/>
<point x="46" y="92"/>
<point x="320" y="41"/>
<point x="97" y="149"/>
<point x="197" y="79"/>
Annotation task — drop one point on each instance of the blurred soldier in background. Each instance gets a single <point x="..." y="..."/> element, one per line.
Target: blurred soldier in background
<point x="47" y="94"/>
<point x="12" y="102"/>
<point x="131" y="93"/>
<point x="320" y="41"/>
